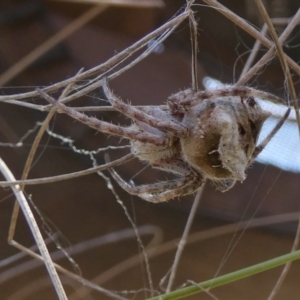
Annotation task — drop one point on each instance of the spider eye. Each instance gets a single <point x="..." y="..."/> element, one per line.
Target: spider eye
<point x="242" y="130"/>
<point x="251" y="102"/>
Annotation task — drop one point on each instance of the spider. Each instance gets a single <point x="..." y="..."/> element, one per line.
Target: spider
<point x="199" y="135"/>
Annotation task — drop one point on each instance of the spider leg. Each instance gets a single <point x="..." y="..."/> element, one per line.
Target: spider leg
<point x="176" y="166"/>
<point x="267" y="139"/>
<point x="111" y="129"/>
<point x="224" y="185"/>
<point x="136" y="114"/>
<point x="151" y="189"/>
<point x="242" y="91"/>
<point x="191" y="188"/>
<point x="163" y="191"/>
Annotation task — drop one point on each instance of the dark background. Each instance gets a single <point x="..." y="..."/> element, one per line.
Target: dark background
<point x="84" y="208"/>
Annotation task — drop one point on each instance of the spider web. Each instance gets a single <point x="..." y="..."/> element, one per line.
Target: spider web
<point x="121" y="235"/>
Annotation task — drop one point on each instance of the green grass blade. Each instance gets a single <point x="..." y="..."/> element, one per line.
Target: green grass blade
<point x="231" y="277"/>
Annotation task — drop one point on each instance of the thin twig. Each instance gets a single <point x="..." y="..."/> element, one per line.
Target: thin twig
<point x="80" y="248"/>
<point x="28" y="59"/>
<point x="287" y="266"/>
<point x="184" y="237"/>
<point x="74" y="276"/>
<point x="268" y="55"/>
<point x="283" y="59"/>
<point x="14" y="217"/>
<point x="249" y="29"/>
<point x="193" y="238"/>
<point x="106" y="65"/>
<point x="253" y="53"/>
<point x="129" y="3"/>
<point x="194" y="43"/>
<point x="292" y="92"/>
<point x="52" y="179"/>
<point x="35" y="232"/>
<point x="29" y="160"/>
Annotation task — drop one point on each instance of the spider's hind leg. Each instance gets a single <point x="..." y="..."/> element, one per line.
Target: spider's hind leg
<point x="153" y="188"/>
<point x="165" y="190"/>
<point x="224" y="185"/>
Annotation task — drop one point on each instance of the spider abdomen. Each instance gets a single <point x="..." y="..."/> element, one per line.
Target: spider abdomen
<point x="220" y="143"/>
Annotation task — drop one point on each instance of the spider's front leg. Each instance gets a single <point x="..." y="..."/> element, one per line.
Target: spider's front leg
<point x="165" y="125"/>
<point x="184" y="100"/>
<point x="111" y="129"/>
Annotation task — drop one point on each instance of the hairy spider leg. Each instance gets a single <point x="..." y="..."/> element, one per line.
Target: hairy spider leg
<point x="224" y="185"/>
<point x="191" y="188"/>
<point x="135" y="114"/>
<point x="111" y="129"/>
<point x="242" y="91"/>
<point x="156" y="192"/>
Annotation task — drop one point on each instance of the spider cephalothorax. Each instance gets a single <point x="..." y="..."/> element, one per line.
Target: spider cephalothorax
<point x="200" y="135"/>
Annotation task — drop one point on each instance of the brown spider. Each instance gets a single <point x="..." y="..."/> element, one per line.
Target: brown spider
<point x="200" y="135"/>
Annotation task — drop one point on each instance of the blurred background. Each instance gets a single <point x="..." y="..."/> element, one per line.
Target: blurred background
<point x="43" y="42"/>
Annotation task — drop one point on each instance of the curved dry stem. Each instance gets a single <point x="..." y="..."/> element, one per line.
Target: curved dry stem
<point x="129" y="3"/>
<point x="34" y="287"/>
<point x="86" y="17"/>
<point x="193" y="238"/>
<point x="249" y="29"/>
<point x="292" y="92"/>
<point x="27" y="60"/>
<point x="108" y="64"/>
<point x="29" y="161"/>
<point x="287" y="266"/>
<point x="82" y="247"/>
<point x="246" y="76"/>
<point x="17" y="190"/>
<point x="85" y="172"/>
<point x="282" y="58"/>
<point x="252" y="56"/>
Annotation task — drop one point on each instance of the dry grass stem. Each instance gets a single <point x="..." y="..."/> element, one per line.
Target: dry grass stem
<point x="292" y="92"/>
<point x="27" y="60"/>
<point x="247" y="73"/>
<point x="184" y="237"/>
<point x="111" y="63"/>
<point x="129" y="3"/>
<point x="17" y="190"/>
<point x="193" y="238"/>
<point x="67" y="176"/>
<point x="249" y="29"/>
